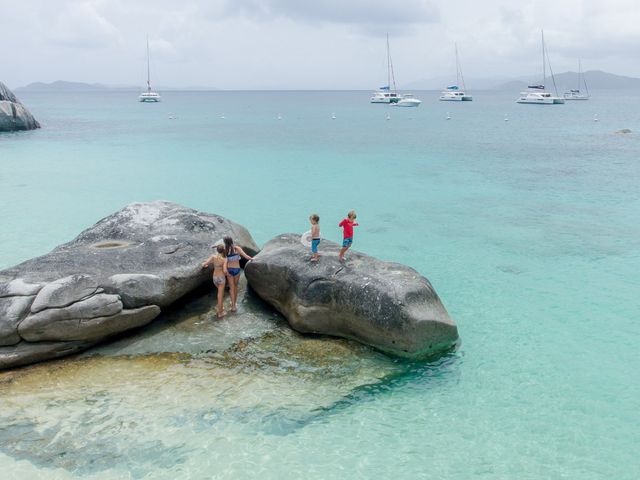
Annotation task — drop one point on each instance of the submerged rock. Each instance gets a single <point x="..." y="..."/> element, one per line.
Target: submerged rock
<point x="386" y="305"/>
<point x="115" y="276"/>
<point x="13" y="115"/>
<point x="246" y="375"/>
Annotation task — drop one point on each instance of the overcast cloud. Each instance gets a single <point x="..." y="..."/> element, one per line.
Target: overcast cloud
<point x="246" y="44"/>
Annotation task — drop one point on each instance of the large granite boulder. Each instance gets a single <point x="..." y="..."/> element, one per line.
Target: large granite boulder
<point x="386" y="305"/>
<point x="13" y="115"/>
<point x="115" y="276"/>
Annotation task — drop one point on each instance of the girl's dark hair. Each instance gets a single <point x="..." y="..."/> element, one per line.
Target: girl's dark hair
<point x="228" y="245"/>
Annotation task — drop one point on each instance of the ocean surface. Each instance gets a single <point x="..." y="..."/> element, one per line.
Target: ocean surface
<point x="529" y="230"/>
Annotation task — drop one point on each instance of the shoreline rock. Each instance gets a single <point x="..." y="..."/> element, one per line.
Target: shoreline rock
<point x="385" y="305"/>
<point x="14" y="116"/>
<point x="115" y="276"/>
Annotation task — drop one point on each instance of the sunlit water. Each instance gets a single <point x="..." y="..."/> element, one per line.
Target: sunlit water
<point x="528" y="229"/>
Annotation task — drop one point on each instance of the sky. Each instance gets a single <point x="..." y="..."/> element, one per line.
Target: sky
<point x="308" y="44"/>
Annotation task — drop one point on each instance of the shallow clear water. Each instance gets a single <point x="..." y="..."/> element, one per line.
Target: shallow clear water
<point x="528" y="230"/>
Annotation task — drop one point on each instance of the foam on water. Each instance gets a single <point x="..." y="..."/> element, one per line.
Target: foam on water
<point x="528" y="230"/>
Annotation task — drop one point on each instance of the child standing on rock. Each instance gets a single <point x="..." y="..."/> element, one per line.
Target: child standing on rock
<point x="347" y="225"/>
<point x="315" y="236"/>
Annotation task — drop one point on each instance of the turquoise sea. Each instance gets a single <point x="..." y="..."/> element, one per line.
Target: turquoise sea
<point x="529" y="230"/>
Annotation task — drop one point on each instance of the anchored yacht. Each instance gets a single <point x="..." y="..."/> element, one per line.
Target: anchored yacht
<point x="576" y="94"/>
<point x="388" y="93"/>
<point x="453" y="93"/>
<point x="536" y="94"/>
<point x="149" y="95"/>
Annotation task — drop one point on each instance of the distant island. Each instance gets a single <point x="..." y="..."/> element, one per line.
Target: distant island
<point x="64" y="86"/>
<point x="596" y="80"/>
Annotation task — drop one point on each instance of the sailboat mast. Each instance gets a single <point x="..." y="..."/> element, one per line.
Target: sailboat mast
<point x="148" y="68"/>
<point x="584" y="78"/>
<point x="579" y="75"/>
<point x="457" y="66"/>
<point x="391" y="76"/>
<point x="544" y="63"/>
<point x="388" y="63"/>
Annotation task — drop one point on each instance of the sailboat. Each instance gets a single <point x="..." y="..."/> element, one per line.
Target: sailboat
<point x="576" y="94"/>
<point x="453" y="92"/>
<point x="149" y="95"/>
<point x="389" y="95"/>
<point x="537" y="93"/>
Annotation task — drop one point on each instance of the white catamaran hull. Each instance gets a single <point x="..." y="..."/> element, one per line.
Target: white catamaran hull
<point x="569" y="96"/>
<point x="384" y="97"/>
<point x="539" y="99"/>
<point x="448" y="97"/>
<point x="149" y="97"/>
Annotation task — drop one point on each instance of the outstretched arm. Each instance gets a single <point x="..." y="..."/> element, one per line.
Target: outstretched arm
<point x="208" y="262"/>
<point x="243" y="254"/>
<point x="341" y="224"/>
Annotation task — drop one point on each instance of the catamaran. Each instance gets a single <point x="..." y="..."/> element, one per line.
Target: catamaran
<point x="576" y="94"/>
<point x="537" y="94"/>
<point x="389" y="95"/>
<point x="149" y="95"/>
<point x="453" y="92"/>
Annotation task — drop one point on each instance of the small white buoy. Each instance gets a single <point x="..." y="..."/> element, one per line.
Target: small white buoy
<point x="448" y="116"/>
<point x="222" y="116"/>
<point x="506" y="117"/>
<point x="279" y="117"/>
<point x="388" y="117"/>
<point x="595" y="117"/>
<point x="333" y="116"/>
<point x="171" y="117"/>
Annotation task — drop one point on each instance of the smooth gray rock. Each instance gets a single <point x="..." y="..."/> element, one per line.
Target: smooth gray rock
<point x="64" y="292"/>
<point x="13" y="310"/>
<point x="100" y="305"/>
<point x="25" y="353"/>
<point x="18" y="287"/>
<point x="37" y="329"/>
<point x="114" y="276"/>
<point x="13" y="115"/>
<point x="386" y="305"/>
<point x="137" y="289"/>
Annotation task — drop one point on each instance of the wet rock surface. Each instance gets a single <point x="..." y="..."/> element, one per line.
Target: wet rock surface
<point x="386" y="305"/>
<point x="14" y="116"/>
<point x="115" y="276"/>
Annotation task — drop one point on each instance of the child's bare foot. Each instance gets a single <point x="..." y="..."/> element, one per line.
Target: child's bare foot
<point x="314" y="259"/>
<point x="221" y="314"/>
<point x="233" y="309"/>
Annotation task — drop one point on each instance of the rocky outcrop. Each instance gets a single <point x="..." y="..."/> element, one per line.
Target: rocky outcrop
<point x="115" y="276"/>
<point x="386" y="305"/>
<point x="13" y="115"/>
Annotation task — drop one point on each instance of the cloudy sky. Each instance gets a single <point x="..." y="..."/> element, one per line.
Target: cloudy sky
<point x="308" y="44"/>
